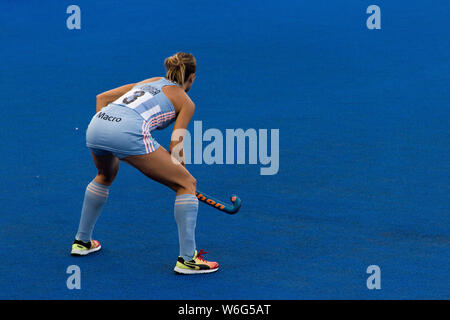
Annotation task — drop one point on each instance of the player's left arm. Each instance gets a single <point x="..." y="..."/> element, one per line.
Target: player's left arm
<point x="103" y="99"/>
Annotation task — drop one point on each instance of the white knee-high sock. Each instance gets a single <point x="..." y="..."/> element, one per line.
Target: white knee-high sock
<point x="94" y="200"/>
<point x="186" y="208"/>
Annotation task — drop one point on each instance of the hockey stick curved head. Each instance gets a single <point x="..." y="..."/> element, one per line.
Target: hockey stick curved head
<point x="236" y="205"/>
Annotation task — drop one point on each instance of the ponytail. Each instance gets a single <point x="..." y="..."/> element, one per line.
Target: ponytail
<point x="179" y="67"/>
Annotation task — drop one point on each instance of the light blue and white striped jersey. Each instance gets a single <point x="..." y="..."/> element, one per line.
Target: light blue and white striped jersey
<point x="150" y="103"/>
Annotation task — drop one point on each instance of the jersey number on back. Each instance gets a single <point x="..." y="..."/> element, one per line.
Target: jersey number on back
<point x="133" y="97"/>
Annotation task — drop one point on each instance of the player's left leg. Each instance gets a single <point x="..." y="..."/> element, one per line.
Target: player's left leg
<point x="94" y="199"/>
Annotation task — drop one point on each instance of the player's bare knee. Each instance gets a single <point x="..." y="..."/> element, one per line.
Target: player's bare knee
<point x="192" y="184"/>
<point x="189" y="184"/>
<point x="106" y="179"/>
<point x="108" y="175"/>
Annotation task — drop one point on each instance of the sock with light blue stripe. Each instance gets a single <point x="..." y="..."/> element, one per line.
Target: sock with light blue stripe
<point x="186" y="208"/>
<point x="94" y="200"/>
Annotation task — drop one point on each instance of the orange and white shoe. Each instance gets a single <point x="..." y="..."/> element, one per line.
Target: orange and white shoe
<point x="196" y="265"/>
<point x="80" y="248"/>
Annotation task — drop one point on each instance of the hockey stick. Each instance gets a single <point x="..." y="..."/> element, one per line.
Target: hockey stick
<point x="222" y="206"/>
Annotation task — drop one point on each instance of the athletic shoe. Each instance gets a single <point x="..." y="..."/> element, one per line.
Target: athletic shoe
<point x="80" y="248"/>
<point x="195" y="265"/>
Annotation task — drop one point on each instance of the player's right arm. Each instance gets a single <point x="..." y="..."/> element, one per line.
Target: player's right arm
<point x="184" y="107"/>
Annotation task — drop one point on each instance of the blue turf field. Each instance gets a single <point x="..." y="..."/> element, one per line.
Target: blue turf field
<point x="364" y="124"/>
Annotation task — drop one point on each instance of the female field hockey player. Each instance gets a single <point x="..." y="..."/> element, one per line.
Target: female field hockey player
<point x="121" y="129"/>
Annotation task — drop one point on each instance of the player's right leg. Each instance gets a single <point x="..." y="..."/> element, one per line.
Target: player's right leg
<point x="159" y="166"/>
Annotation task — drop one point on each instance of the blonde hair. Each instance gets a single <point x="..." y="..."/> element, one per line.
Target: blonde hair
<point x="179" y="67"/>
